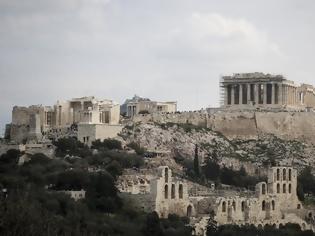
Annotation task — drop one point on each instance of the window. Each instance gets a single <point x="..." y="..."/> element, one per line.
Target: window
<point x="189" y="211"/>
<point x="234" y="205"/>
<point x="166" y="192"/>
<point x="166" y="175"/>
<point x="278" y="188"/>
<point x="180" y="191"/>
<point x="223" y="206"/>
<point x="173" y="191"/>
<point x="284" y="188"/>
<point x="290" y="174"/>
<point x="243" y="206"/>
<point x="273" y="205"/>
<point x="278" y="174"/>
<point x="263" y="205"/>
<point x="284" y="174"/>
<point x="289" y="188"/>
<point x="263" y="189"/>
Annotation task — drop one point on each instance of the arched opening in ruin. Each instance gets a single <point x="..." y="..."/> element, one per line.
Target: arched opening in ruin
<point x="166" y="191"/>
<point x="290" y="188"/>
<point x="284" y="174"/>
<point x="173" y="191"/>
<point x="278" y="188"/>
<point x="234" y="205"/>
<point x="180" y="191"/>
<point x="263" y="205"/>
<point x="243" y="206"/>
<point x="278" y="174"/>
<point x="290" y="174"/>
<point x="310" y="215"/>
<point x="223" y="206"/>
<point x="298" y="206"/>
<point x="284" y="188"/>
<point x="260" y="226"/>
<point x="263" y="189"/>
<point x="189" y="211"/>
<point x="273" y="205"/>
<point x="166" y="175"/>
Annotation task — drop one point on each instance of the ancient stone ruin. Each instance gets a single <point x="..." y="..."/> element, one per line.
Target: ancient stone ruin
<point x="273" y="202"/>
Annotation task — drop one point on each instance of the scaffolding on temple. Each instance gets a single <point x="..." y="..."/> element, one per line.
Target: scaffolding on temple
<point x="222" y="92"/>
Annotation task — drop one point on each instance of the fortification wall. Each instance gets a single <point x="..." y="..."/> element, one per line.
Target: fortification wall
<point x="246" y="124"/>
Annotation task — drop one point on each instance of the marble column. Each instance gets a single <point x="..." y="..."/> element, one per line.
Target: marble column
<point x="248" y="93"/>
<point x="265" y="94"/>
<point x="226" y="95"/>
<point x="286" y="95"/>
<point x="240" y="94"/>
<point x="256" y="94"/>
<point x="273" y="94"/>
<point x="280" y="95"/>
<point x="232" y="95"/>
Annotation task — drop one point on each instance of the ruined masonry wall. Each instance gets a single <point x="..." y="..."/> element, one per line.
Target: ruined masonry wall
<point x="245" y="124"/>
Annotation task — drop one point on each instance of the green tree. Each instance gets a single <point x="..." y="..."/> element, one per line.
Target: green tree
<point x="153" y="225"/>
<point x="196" y="162"/>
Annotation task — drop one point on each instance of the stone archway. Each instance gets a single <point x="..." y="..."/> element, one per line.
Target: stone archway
<point x="189" y="211"/>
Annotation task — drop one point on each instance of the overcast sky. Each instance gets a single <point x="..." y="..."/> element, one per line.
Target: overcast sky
<point x="161" y="49"/>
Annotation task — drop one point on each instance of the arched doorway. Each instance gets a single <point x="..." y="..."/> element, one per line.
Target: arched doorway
<point x="189" y="211"/>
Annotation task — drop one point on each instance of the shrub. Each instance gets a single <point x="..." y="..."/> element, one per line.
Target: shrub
<point x="138" y="149"/>
<point x="107" y="144"/>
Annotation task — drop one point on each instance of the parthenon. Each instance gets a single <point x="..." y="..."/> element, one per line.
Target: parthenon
<point x="265" y="90"/>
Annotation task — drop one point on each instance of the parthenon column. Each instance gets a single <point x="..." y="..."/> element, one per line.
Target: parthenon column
<point x="240" y="94"/>
<point x="232" y="95"/>
<point x="280" y="95"/>
<point x="265" y="94"/>
<point x="226" y="95"/>
<point x="286" y="94"/>
<point x="248" y="93"/>
<point x="256" y="94"/>
<point x="273" y="94"/>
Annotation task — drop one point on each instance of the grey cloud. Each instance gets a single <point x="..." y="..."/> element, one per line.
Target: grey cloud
<point x="166" y="50"/>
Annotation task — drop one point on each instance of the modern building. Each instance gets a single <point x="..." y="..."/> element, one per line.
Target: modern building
<point x="265" y="91"/>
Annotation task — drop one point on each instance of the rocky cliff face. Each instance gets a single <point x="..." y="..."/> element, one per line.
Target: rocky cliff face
<point x="246" y="125"/>
<point x="255" y="151"/>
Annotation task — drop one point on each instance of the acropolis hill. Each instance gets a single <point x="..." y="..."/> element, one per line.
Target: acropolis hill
<point x="263" y="131"/>
<point x="251" y="104"/>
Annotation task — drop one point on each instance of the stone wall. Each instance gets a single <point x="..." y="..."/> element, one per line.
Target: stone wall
<point x="87" y="133"/>
<point x="245" y="124"/>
